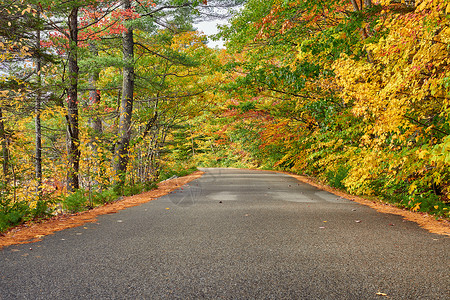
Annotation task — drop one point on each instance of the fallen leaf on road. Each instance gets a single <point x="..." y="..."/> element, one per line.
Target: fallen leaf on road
<point x="358" y="221"/>
<point x="324" y="221"/>
<point x="381" y="294"/>
<point x="167" y="208"/>
<point x="390" y="224"/>
<point x="322" y="227"/>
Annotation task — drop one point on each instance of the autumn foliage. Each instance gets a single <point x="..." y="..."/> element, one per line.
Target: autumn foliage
<point x="353" y="92"/>
<point x="102" y="98"/>
<point x="62" y="80"/>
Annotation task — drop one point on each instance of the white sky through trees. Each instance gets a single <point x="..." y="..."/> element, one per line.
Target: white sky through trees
<point x="210" y="28"/>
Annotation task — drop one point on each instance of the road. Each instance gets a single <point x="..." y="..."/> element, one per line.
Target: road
<point x="234" y="234"/>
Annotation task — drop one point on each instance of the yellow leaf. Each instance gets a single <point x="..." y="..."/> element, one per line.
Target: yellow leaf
<point x="381" y="294"/>
<point x="412" y="188"/>
<point x="422" y="153"/>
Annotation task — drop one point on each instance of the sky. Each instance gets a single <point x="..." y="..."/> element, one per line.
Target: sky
<point x="210" y="28"/>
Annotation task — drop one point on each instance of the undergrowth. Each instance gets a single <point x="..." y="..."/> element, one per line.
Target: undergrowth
<point x="18" y="212"/>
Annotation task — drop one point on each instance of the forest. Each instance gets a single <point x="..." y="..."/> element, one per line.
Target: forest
<point x="101" y="99"/>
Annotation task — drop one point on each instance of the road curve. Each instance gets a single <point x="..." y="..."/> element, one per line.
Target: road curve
<point x="234" y="234"/>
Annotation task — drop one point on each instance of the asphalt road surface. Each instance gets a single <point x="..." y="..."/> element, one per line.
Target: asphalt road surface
<point x="234" y="234"/>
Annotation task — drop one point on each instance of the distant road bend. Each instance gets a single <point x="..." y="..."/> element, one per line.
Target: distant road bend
<point x="234" y="234"/>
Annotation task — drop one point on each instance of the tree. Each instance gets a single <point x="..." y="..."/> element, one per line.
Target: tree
<point x="126" y="107"/>
<point x="17" y="45"/>
<point x="72" y="103"/>
<point x="59" y="116"/>
<point x="175" y="17"/>
<point x="345" y="84"/>
<point x="37" y="111"/>
<point x="68" y="41"/>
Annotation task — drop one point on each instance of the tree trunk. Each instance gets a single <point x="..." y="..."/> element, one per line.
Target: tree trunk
<point x="72" y="106"/>
<point x="94" y="96"/>
<point x="5" y="153"/>
<point x="95" y="123"/>
<point x="38" y="129"/>
<point x="126" y="105"/>
<point x="359" y="5"/>
<point x="356" y="5"/>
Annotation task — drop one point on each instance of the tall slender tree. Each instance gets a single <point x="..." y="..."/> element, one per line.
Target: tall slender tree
<point x="5" y="151"/>
<point x="37" y="111"/>
<point x="126" y="106"/>
<point x="72" y="105"/>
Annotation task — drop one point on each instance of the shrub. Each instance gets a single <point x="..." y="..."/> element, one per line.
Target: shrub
<point x="12" y="214"/>
<point x="75" y="202"/>
<point x="335" y="178"/>
<point x="106" y="196"/>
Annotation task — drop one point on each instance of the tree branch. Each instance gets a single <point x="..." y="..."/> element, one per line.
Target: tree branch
<point x="425" y="125"/>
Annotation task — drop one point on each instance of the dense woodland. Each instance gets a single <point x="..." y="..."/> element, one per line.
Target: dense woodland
<point x="103" y="98"/>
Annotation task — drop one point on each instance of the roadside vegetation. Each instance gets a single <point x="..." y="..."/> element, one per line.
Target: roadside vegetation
<point x="354" y="93"/>
<point x="101" y="99"/>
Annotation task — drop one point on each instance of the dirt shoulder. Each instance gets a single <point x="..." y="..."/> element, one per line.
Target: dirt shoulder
<point x="33" y="232"/>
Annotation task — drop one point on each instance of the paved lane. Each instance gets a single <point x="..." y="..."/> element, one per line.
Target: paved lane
<point x="234" y="234"/>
